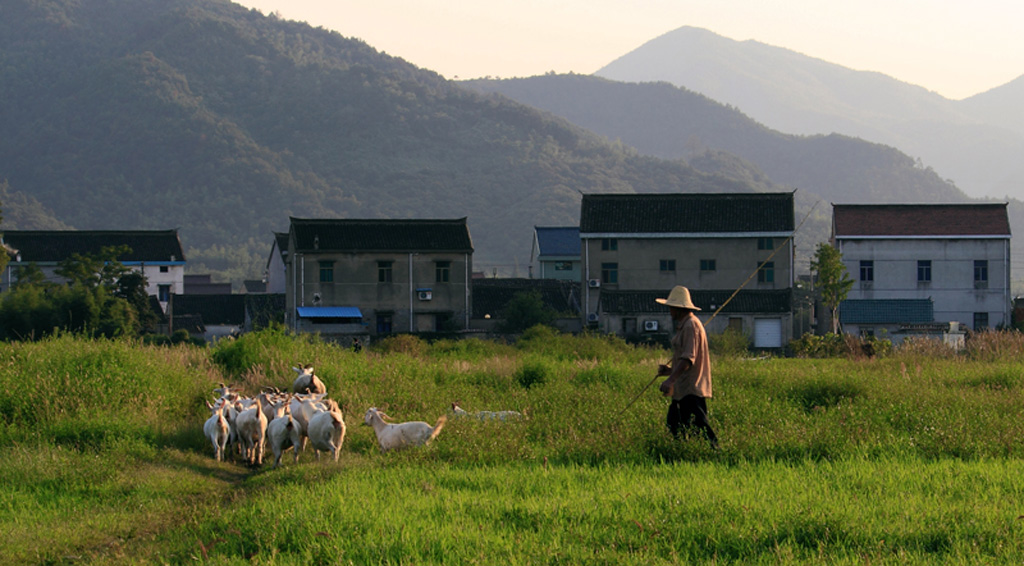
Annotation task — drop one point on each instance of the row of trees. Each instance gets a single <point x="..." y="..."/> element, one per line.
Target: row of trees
<point x="101" y="298"/>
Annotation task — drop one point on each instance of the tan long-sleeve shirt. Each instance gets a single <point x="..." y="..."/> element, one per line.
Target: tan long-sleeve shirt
<point x="690" y="343"/>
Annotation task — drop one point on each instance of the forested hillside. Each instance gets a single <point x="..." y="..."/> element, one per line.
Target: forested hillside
<point x="666" y="121"/>
<point x="223" y="122"/>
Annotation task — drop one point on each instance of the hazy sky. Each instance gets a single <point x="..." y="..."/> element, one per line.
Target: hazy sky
<point x="954" y="47"/>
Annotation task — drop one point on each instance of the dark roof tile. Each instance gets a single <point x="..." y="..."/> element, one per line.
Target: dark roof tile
<point x="558" y="241"/>
<point x="852" y="220"/>
<point x="370" y="235"/>
<point x="687" y="213"/>
<point x="886" y="311"/>
<point x="57" y="245"/>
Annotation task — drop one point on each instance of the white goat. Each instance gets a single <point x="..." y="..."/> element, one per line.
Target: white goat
<point x="251" y="425"/>
<point x="307" y="382"/>
<point x="217" y="430"/>
<point x="327" y="430"/>
<point x="486" y="415"/>
<point x="401" y="435"/>
<point x="303" y="407"/>
<point x="282" y="430"/>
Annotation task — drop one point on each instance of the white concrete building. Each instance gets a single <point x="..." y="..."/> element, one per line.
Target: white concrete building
<point x="955" y="255"/>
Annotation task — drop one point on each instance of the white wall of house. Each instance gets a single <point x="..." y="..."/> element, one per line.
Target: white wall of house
<point x="953" y="289"/>
<point x="276" y="272"/>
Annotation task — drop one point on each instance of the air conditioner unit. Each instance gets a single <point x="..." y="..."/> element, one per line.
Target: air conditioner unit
<point x="425" y="295"/>
<point x="594" y="283"/>
<point x="592" y="317"/>
<point x="650" y="325"/>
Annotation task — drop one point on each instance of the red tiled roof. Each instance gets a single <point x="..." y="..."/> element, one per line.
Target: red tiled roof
<point x="852" y="220"/>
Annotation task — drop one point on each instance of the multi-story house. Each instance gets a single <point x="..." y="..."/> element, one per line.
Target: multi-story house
<point x="636" y="247"/>
<point x="957" y="256"/>
<point x="376" y="277"/>
<point x="157" y="254"/>
<point x="556" y="253"/>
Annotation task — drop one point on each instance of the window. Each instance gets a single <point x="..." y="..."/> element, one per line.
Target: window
<point x="164" y="269"/>
<point x="767" y="273"/>
<point x="326" y="271"/>
<point x="707" y="265"/>
<point x="563" y="266"/>
<point x="385" y="271"/>
<point x="163" y="293"/>
<point x="980" y="320"/>
<point x="442" y="271"/>
<point x="981" y="271"/>
<point x="609" y="244"/>
<point x="384" y="323"/>
<point x="610" y="272"/>
<point x="867" y="270"/>
<point x="766" y="243"/>
<point x="924" y="271"/>
<point x="667" y="265"/>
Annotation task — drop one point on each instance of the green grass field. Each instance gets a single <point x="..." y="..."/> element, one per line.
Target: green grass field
<point x="912" y="458"/>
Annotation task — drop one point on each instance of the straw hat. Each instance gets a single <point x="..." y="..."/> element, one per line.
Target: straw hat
<point x="678" y="297"/>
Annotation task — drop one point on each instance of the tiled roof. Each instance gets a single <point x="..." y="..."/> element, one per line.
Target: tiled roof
<point x="282" y="243"/>
<point x="558" y="241"/>
<point x="490" y="296"/>
<point x="370" y="235"/>
<point x="747" y="301"/>
<point x="886" y="311"/>
<point x="214" y="309"/>
<point x="687" y="213"/>
<point x="44" y="246"/>
<point x="852" y="220"/>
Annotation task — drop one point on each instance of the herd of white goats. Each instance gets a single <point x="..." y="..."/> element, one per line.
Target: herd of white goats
<point x="286" y="421"/>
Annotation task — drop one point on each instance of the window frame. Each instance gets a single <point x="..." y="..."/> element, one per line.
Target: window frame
<point x="924" y="271"/>
<point x="442" y="271"/>
<point x="610" y="272"/>
<point x="766" y="272"/>
<point x="326" y="268"/>
<point x="867" y="270"/>
<point x="385" y="271"/>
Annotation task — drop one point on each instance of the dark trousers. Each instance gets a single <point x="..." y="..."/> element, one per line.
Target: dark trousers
<point x="688" y="413"/>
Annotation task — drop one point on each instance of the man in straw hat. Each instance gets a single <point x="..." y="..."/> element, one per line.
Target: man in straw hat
<point x="689" y="376"/>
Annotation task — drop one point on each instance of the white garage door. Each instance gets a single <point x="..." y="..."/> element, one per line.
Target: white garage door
<point x="767" y="332"/>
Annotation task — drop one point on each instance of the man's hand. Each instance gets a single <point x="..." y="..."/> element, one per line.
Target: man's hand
<point x="664" y="369"/>
<point x="667" y="386"/>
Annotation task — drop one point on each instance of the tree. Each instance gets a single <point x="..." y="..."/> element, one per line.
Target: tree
<point x="834" y="283"/>
<point x="526" y="309"/>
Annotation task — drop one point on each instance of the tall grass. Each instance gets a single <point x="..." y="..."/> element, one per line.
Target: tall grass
<point x="101" y="441"/>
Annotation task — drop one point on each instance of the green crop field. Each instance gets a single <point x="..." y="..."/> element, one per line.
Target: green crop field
<point x="910" y="458"/>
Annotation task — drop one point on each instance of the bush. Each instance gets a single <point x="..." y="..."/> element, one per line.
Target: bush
<point x="532" y="373"/>
<point x="729" y="344"/>
<point x="401" y="344"/>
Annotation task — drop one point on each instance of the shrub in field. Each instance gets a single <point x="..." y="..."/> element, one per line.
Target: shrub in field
<point x="401" y="344"/>
<point x="274" y="349"/>
<point x="587" y="346"/>
<point x="532" y="373"/>
<point x="731" y="343"/>
<point x="469" y="349"/>
<point x="926" y="348"/>
<point x="823" y="394"/>
<point x="839" y="346"/>
<point x="993" y="345"/>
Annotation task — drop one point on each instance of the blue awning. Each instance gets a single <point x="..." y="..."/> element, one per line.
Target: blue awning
<point x="329" y="312"/>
